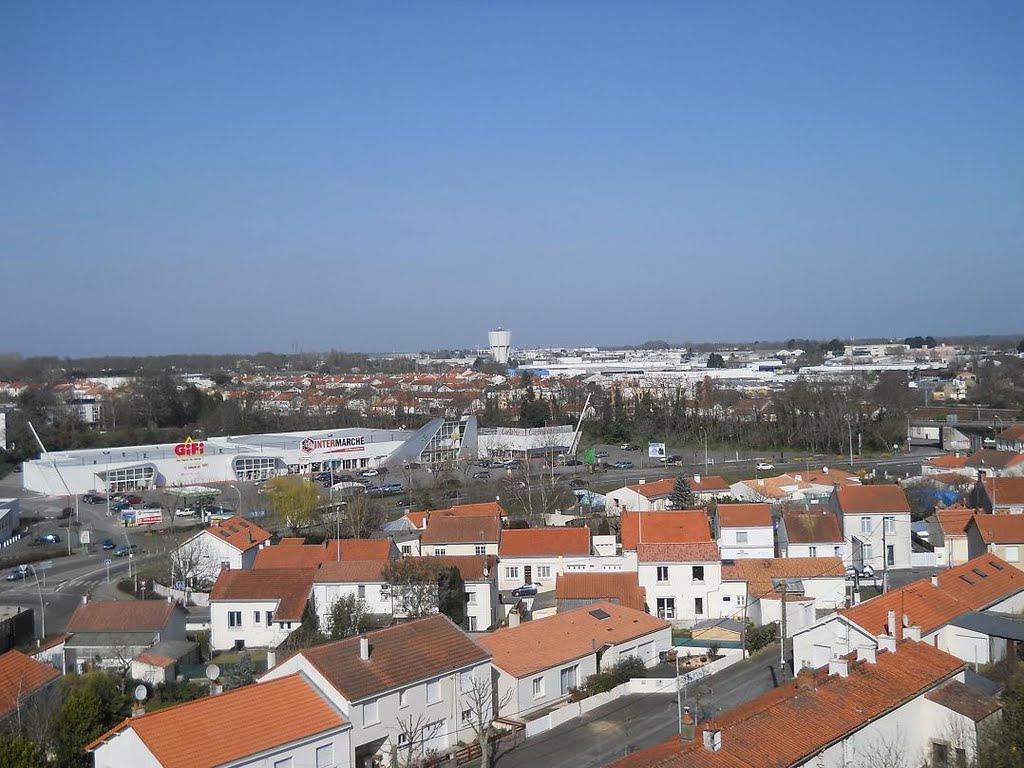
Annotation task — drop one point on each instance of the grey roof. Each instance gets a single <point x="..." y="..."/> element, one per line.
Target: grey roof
<point x="111" y="639"/>
<point x="173" y="649"/>
<point x="981" y="684"/>
<point x="992" y="624"/>
<point x="730" y="625"/>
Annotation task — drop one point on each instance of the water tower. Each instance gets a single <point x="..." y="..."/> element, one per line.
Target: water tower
<point x="501" y="344"/>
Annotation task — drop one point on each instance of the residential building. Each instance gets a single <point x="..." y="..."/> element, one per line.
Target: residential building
<point x="1001" y="495"/>
<point x="423" y="672"/>
<point x="682" y="581"/>
<point x="939" y="611"/>
<point x="461" y="535"/>
<point x="295" y="553"/>
<point x="876" y="521"/>
<point x="810" y="487"/>
<point x="538" y="555"/>
<point x="911" y="702"/>
<point x="991" y="462"/>
<point x="108" y="634"/>
<point x="257" y="608"/>
<point x="287" y="723"/>
<point x="25" y="689"/>
<point x="816" y="533"/>
<point x="641" y="497"/>
<point x="1001" y="535"/>
<point x="687" y="526"/>
<point x="1011" y="439"/>
<point x="540" y="661"/>
<point x="709" y="488"/>
<point x="10" y="518"/>
<point x="808" y="587"/>
<point x="575" y="590"/>
<point x="231" y="543"/>
<point x="947" y="532"/>
<point x="745" y="530"/>
<point x="950" y="462"/>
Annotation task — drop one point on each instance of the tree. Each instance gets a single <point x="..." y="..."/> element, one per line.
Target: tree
<point x="295" y="499"/>
<point x="19" y="752"/>
<point x="479" y="701"/>
<point x="94" y="703"/>
<point x="682" y="494"/>
<point x="347" y="617"/>
<point x="1020" y="346"/>
<point x="413" y="585"/>
<point x="451" y="595"/>
<point x="361" y="516"/>
<point x="242" y="674"/>
<point x="715" y="360"/>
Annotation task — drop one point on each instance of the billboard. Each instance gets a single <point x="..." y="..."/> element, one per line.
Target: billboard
<point x="148" y="516"/>
<point x="656" y="450"/>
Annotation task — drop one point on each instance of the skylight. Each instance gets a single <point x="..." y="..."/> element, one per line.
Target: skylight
<point x="980" y="572"/>
<point x="967" y="579"/>
<point x="995" y="565"/>
<point x="599" y="613"/>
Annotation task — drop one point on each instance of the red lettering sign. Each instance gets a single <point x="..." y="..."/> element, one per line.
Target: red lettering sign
<point x="189" y="448"/>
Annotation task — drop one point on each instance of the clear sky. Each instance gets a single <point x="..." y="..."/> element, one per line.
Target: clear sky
<point x="245" y="176"/>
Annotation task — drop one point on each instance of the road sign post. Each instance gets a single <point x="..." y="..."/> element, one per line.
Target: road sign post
<point x="107" y="562"/>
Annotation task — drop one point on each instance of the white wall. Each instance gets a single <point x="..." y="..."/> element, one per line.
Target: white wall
<point x="126" y="748"/>
<point x="900" y="539"/>
<point x="682" y="587"/>
<point x="209" y="551"/>
<point x="522" y="700"/>
<point x="255" y="634"/>
<point x="490" y="548"/>
<point x="825" y="638"/>
<point x="760" y="543"/>
<point x="555" y="565"/>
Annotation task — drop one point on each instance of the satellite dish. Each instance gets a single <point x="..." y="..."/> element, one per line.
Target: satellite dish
<point x="140" y="692"/>
<point x="212" y="672"/>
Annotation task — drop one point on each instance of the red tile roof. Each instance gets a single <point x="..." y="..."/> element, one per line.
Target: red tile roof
<point x="461" y="530"/>
<point x="310" y="556"/>
<point x="525" y="542"/>
<point x="655" y="489"/>
<point x="953" y="520"/>
<point x="290" y="586"/>
<point x="239" y="533"/>
<point x="872" y="500"/>
<point x="759" y="572"/>
<point x="21" y="675"/>
<point x="1000" y="529"/>
<point x="812" y="528"/>
<point x="772" y="730"/>
<point x="978" y="592"/>
<point x="702" y="552"/>
<point x="1008" y="490"/>
<point x="669" y="527"/>
<point x="990" y="457"/>
<point x="351" y="572"/>
<point x="621" y="588"/>
<point x="400" y="655"/>
<point x="963" y="700"/>
<point x="121" y="616"/>
<point x="1016" y="432"/>
<point x="948" y="461"/>
<point x="708" y="484"/>
<point x="218" y="730"/>
<point x="543" y="643"/>
<point x="744" y="516"/>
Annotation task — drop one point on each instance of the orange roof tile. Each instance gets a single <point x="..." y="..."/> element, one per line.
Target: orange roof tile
<point x="543" y="643"/>
<point x="21" y="675"/>
<point x="400" y="655"/>
<point x="461" y="530"/>
<point x="948" y="461"/>
<point x="759" y="572"/>
<point x="990" y="457"/>
<point x="519" y="542"/>
<point x="121" y="616"/>
<point x="1000" y="529"/>
<point x="290" y="586"/>
<point x="872" y="500"/>
<point x="154" y="659"/>
<point x="953" y="520"/>
<point x="1008" y="490"/>
<point x="239" y="533"/>
<point x="670" y="527"/>
<point x="744" y="516"/>
<point x="708" y="484"/>
<point x="222" y="729"/>
<point x="351" y="572"/>
<point x="698" y="552"/>
<point x="812" y="528"/>
<point x="771" y="731"/>
<point x="619" y="588"/>
<point x="978" y="592"/>
<point x="310" y="556"/>
<point x="655" y="489"/>
<point x="1016" y="432"/>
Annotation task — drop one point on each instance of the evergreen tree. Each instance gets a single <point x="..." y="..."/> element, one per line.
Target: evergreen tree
<point x="19" y="752"/>
<point x="682" y="494"/>
<point x="451" y="595"/>
<point x="242" y="674"/>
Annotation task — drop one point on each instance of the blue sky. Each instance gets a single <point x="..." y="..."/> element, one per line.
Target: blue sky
<point x="245" y="176"/>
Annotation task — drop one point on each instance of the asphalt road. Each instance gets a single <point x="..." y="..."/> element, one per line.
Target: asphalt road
<point x="641" y="720"/>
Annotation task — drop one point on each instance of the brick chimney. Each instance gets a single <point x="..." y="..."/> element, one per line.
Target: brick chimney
<point x="805" y="679"/>
<point x="686" y="727"/>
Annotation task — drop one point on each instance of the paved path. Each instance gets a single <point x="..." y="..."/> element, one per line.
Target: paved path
<point x="640" y="720"/>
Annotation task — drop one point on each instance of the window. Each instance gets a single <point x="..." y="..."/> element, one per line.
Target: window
<point x="1012" y="554"/>
<point x="255" y="617"/>
<point x="666" y="608"/>
<point x="662" y="574"/>
<point x="940" y="755"/>
<point x="403" y="739"/>
<point x="812" y="551"/>
<point x="325" y="756"/>
<point x="865" y="525"/>
<point x="511" y="571"/>
<point x="577" y="567"/>
<point x="471" y="623"/>
<point x="467" y="715"/>
<point x="568" y="678"/>
<point x="440" y="551"/>
<point x="234" y="619"/>
<point x="538" y="687"/>
<point x="890" y="524"/>
<point x="471" y="598"/>
<point x="370" y="714"/>
<point x="286" y="763"/>
<point x="698" y="573"/>
<point x="741" y="599"/>
<point x="407" y="549"/>
<point x="270" y="617"/>
<point x="480" y="549"/>
<point x="961" y="757"/>
<point x="433" y="691"/>
<point x="543" y="571"/>
<point x="741" y="537"/>
<point x="698" y="606"/>
<point x="465" y="681"/>
<point x="403" y="698"/>
<point x="890" y="554"/>
<point x="866" y="551"/>
<point x="361" y="591"/>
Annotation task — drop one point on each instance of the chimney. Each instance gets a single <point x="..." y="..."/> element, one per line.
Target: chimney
<point x="686" y="727"/>
<point x="886" y="643"/>
<point x="866" y="653"/>
<point x="824" y="470"/>
<point x="890" y="624"/>
<point x="805" y="679"/>
<point x="935" y="580"/>
<point x="138" y="709"/>
<point x="696" y="479"/>
<point x="85" y="599"/>
<point x="839" y="666"/>
<point x="798" y="478"/>
<point x="912" y="633"/>
<point x="364" y="648"/>
<point x="712" y="739"/>
<point x="642" y="481"/>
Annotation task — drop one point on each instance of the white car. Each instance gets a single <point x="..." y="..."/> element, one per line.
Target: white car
<point x="764" y="466"/>
<point x="185" y="512"/>
<point x="369" y="473"/>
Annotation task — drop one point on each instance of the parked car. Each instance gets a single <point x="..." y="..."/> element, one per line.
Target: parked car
<point x="93" y="498"/>
<point x="629" y="447"/>
<point x="371" y="472"/>
<point x="402" y="503"/>
<point x="49" y="538"/>
<point x="108" y="544"/>
<point x="255" y="514"/>
<point x="186" y="512"/>
<point x="526" y="590"/>
<point x="623" y="464"/>
<point x="577" y="483"/>
<point x="485" y="475"/>
<point x="129" y="549"/>
<point x="601" y="454"/>
<point x="764" y="466"/>
<point x="132" y="499"/>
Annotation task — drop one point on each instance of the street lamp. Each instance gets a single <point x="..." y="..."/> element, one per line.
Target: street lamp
<point x="235" y="489"/>
<point x="705" y="432"/>
<point x="849" y="431"/>
<point x="106" y="482"/>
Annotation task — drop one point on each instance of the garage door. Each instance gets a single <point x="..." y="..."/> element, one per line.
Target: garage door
<point x="970" y="648"/>
<point x="646" y="652"/>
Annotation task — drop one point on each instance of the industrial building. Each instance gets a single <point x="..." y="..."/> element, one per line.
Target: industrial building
<point x="196" y="461"/>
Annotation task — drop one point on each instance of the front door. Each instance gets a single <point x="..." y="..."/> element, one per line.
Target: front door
<point x="527" y="574"/>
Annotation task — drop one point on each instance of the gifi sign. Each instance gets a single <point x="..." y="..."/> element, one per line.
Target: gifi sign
<point x="189" y="448"/>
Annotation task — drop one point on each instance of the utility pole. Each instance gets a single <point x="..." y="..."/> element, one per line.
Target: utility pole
<point x="783" y="588"/>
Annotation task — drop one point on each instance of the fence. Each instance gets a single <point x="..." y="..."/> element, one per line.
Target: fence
<point x="181" y="595"/>
<point x="507" y="739"/>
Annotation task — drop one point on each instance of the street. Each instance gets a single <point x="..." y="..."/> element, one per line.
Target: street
<point x="641" y="720"/>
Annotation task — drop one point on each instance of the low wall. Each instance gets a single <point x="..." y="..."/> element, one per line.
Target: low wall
<point x="181" y="595"/>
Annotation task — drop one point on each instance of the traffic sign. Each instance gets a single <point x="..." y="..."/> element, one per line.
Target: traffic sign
<point x="45" y="565"/>
<point x="179" y="585"/>
<point x="107" y="561"/>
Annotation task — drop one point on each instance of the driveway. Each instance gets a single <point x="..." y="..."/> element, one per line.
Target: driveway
<point x="640" y="720"/>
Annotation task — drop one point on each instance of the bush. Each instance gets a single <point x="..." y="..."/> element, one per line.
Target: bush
<point x="713" y="650"/>
<point x="759" y="637"/>
<point x="623" y="670"/>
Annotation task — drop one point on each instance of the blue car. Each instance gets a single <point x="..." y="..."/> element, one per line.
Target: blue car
<point x="109" y="544"/>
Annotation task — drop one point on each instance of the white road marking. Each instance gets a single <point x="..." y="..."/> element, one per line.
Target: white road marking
<point x="58" y="588"/>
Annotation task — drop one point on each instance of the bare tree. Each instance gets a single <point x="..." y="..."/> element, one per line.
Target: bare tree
<point x="483" y="707"/>
<point x="883" y="752"/>
<point x="412" y="733"/>
<point x="413" y="585"/>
